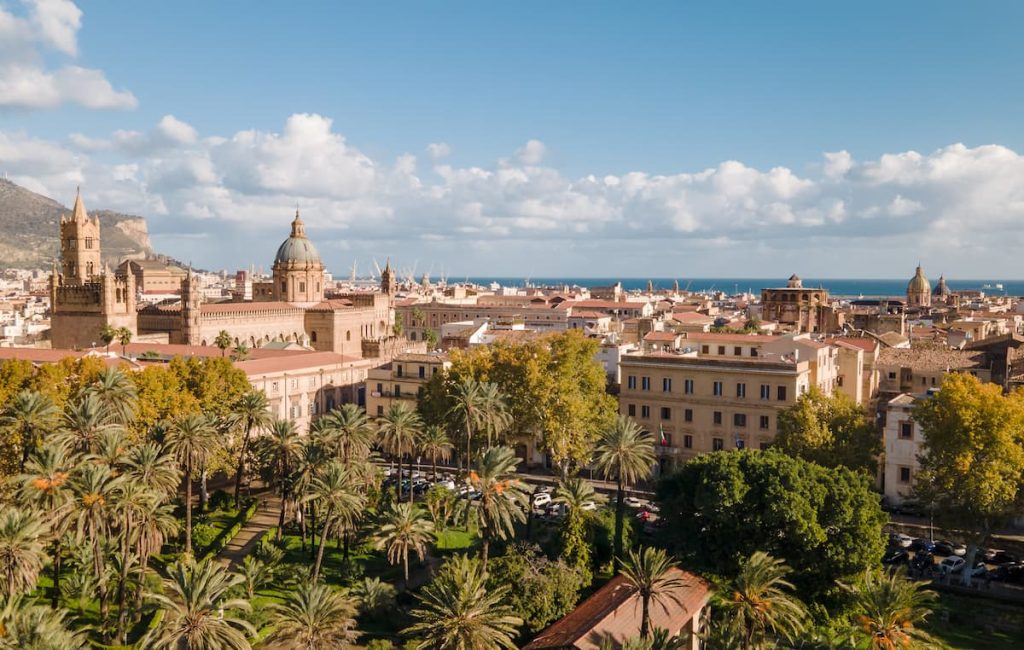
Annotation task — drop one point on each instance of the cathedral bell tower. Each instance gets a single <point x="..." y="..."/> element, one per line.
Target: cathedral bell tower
<point x="191" y="310"/>
<point x="79" y="246"/>
<point x="387" y="280"/>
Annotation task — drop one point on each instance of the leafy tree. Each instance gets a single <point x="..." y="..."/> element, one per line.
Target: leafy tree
<point x="719" y="509"/>
<point x="334" y="492"/>
<point x="280" y="447"/>
<point x="375" y="596"/>
<point x="253" y="413"/>
<point x="44" y="486"/>
<point x="442" y="504"/>
<point x="198" y="612"/>
<point x="192" y="439"/>
<point x="162" y="396"/>
<point x="83" y="424"/>
<point x="831" y="430"/>
<point x="255" y="573"/>
<point x="758" y="602"/>
<point x="351" y="433"/>
<point x="36" y="627"/>
<point x="457" y="612"/>
<point x="94" y="488"/>
<point x="625" y="454"/>
<point x="889" y="609"/>
<point x="124" y="337"/>
<point x="575" y="494"/>
<point x="223" y="341"/>
<point x="107" y="335"/>
<point x="503" y="498"/>
<point x="467" y="409"/>
<point x="544" y="590"/>
<point x="28" y="417"/>
<point x="400" y="429"/>
<point x="972" y="460"/>
<point x="430" y="336"/>
<point x="404" y="528"/>
<point x="313" y="616"/>
<point x="22" y="549"/>
<point x="435" y="444"/>
<point x="649" y="571"/>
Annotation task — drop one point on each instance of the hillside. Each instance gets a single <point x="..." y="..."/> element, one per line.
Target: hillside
<point x="29" y="230"/>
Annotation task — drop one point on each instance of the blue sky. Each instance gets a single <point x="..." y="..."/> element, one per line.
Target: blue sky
<point x="649" y="95"/>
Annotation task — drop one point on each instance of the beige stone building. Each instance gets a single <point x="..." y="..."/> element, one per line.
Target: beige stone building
<point x="401" y="380"/>
<point x="799" y="308"/>
<point x="904" y="370"/>
<point x="153" y="277"/>
<point x="902" y="440"/>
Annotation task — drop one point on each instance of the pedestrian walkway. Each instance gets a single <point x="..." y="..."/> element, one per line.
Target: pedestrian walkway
<point x="244" y="543"/>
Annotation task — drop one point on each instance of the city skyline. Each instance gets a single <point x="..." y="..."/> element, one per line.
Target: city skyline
<point x="669" y="141"/>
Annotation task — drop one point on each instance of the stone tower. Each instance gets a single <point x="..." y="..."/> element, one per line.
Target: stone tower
<point x="79" y="245"/>
<point x="191" y="310"/>
<point x="298" y="271"/>
<point x="919" y="291"/>
<point x="387" y="280"/>
<point x="84" y="296"/>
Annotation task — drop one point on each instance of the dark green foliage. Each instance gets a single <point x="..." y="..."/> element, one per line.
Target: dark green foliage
<point x="543" y="590"/>
<point x="824" y="523"/>
<point x="604" y="535"/>
<point x="831" y="430"/>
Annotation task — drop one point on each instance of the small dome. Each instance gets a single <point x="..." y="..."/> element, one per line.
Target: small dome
<point x="297" y="249"/>
<point x="941" y="289"/>
<point x="795" y="282"/>
<point x="919" y="283"/>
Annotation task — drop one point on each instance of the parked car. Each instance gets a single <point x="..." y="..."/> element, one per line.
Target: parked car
<point x="945" y="547"/>
<point x="996" y="556"/>
<point x="922" y="545"/>
<point x="979" y="570"/>
<point x="633" y="502"/>
<point x="589" y="506"/>
<point x="900" y="540"/>
<point x="896" y="556"/>
<point x="951" y="564"/>
<point x="446" y="483"/>
<point x="1013" y="573"/>
<point x="541" y="499"/>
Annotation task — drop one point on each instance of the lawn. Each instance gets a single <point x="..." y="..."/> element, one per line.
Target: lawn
<point x="956" y="622"/>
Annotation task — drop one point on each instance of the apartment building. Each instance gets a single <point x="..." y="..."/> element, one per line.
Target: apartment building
<point x="695" y="404"/>
<point x="401" y="380"/>
<point x="902" y="439"/>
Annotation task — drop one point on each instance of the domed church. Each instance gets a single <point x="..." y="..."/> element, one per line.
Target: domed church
<point x="919" y="291"/>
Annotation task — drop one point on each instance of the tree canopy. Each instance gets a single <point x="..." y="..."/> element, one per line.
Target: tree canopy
<point x="831" y="430"/>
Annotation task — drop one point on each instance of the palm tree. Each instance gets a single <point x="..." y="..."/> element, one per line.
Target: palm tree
<point x="253" y="412"/>
<point x="468" y="410"/>
<point x="375" y="596"/>
<point x="111" y="447"/>
<point x="85" y="419"/>
<point x="758" y="601"/>
<point x="313" y="616"/>
<point x="150" y="465"/>
<point x="192" y="439"/>
<point x="503" y="498"/>
<point x="457" y="612"/>
<point x="889" y="610"/>
<point x="107" y="335"/>
<point x="22" y="549"/>
<point x="400" y="429"/>
<point x="154" y="527"/>
<point x="94" y="487"/>
<point x="350" y="431"/>
<point x="116" y="394"/>
<point x="27" y="625"/>
<point x="255" y="573"/>
<point x="45" y="486"/>
<point x="334" y="492"/>
<point x="626" y="452"/>
<point x="124" y="337"/>
<point x="28" y="416"/>
<point x="576" y="494"/>
<point x="198" y="614"/>
<point x="223" y="341"/>
<point x="281" y="445"/>
<point x="651" y="573"/>
<point x="496" y="416"/>
<point x="133" y="501"/>
<point x="435" y="444"/>
<point x="404" y="528"/>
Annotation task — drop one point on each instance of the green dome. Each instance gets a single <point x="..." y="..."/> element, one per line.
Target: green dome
<point x="297" y="249"/>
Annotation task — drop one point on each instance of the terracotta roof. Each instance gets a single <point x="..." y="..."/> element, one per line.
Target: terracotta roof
<point x="862" y="342"/>
<point x="691" y="317"/>
<point x="607" y="304"/>
<point x="235" y="307"/>
<point x="660" y="336"/>
<point x="930" y="358"/>
<point x="614" y="611"/>
<point x="202" y="351"/>
<point x="587" y="314"/>
<point x="295" y="361"/>
<point x="752" y="339"/>
<point x="332" y="305"/>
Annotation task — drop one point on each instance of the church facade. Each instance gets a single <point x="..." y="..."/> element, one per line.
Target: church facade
<point x="292" y="307"/>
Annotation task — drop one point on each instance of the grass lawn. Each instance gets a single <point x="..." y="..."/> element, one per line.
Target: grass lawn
<point x="955" y="621"/>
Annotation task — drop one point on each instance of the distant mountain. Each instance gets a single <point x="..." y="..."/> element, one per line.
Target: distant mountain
<point x="29" y="230"/>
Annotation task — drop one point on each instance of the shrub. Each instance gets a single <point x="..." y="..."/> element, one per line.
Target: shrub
<point x="203" y="535"/>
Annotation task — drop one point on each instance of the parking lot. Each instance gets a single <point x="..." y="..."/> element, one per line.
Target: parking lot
<point x="941" y="560"/>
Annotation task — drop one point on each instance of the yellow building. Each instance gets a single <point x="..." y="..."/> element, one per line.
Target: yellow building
<point x="401" y="380"/>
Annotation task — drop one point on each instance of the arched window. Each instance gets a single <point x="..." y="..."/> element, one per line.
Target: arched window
<point x="312" y="336"/>
<point x="348" y="335"/>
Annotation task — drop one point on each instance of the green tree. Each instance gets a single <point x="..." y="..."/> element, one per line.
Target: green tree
<point x="467" y="409"/>
<point x="223" y="341"/>
<point x="503" y="498"/>
<point x="351" y="433"/>
<point x="544" y="590"/>
<point x="442" y="504"/>
<point x="28" y="417"/>
<point x="133" y="502"/>
<point x="124" y="337"/>
<point x="253" y="413"/>
<point x="651" y="573"/>
<point x="435" y="444"/>
<point x="341" y="504"/>
<point x="625" y="454"/>
<point x="280" y="448"/>
<point x="94" y="488"/>
<point x="404" y="528"/>
<point x="376" y="597"/>
<point x="457" y="612"/>
<point x="758" y="601"/>
<point x="575" y="494"/>
<point x="22" y="549"/>
<point x="400" y="429"/>
<point x="198" y="610"/>
<point x="84" y="422"/>
<point x="972" y="456"/>
<point x="151" y="465"/>
<point x="831" y="430"/>
<point x="107" y="335"/>
<point x="36" y="627"/>
<point x="312" y="617"/>
<point x="888" y="610"/>
<point x="192" y="439"/>
<point x="44" y="486"/>
<point x="719" y="509"/>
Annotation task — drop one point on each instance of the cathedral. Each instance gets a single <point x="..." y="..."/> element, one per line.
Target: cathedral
<point x="293" y="306"/>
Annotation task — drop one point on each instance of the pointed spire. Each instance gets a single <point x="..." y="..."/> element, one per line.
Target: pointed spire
<point x="78" y="213"/>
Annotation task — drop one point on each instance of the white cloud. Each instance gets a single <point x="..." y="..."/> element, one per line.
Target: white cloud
<point x="438" y="150"/>
<point x="50" y="27"/>
<point x="249" y="181"/>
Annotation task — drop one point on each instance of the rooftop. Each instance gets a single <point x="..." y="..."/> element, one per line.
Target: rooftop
<point x="931" y="358"/>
